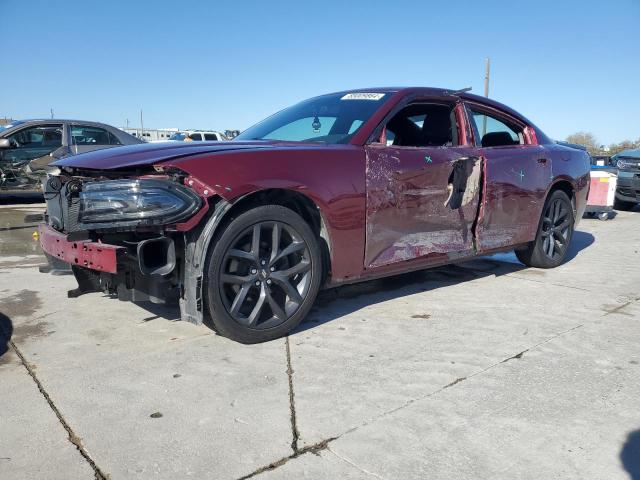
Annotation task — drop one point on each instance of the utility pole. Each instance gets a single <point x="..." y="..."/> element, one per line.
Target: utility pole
<point x="141" y="126"/>
<point x="51" y="110"/>
<point x="487" y="72"/>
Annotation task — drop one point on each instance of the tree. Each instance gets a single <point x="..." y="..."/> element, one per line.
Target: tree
<point x="586" y="139"/>
<point x="624" y="145"/>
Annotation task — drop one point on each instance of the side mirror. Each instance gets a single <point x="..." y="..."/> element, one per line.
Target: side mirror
<point x="5" y="143"/>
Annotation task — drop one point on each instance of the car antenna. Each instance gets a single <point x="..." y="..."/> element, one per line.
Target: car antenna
<point x="455" y="93"/>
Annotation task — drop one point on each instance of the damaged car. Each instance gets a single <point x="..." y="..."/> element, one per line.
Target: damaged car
<point x="337" y="189"/>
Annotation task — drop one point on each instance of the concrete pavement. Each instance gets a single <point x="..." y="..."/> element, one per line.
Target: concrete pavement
<point x="482" y="370"/>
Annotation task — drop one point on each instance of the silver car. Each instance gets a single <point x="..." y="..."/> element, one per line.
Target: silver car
<point x="28" y="146"/>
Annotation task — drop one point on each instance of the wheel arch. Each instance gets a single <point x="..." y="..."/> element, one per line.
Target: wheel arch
<point x="565" y="185"/>
<point x="305" y="206"/>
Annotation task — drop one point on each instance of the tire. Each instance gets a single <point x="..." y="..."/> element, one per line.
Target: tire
<point x="256" y="292"/>
<point x="555" y="230"/>
<point x="623" y="205"/>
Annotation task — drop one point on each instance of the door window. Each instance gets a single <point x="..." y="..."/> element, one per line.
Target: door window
<point x="86" y="135"/>
<point x="211" y="137"/>
<point x="423" y="125"/>
<point x="496" y="132"/>
<point x="196" y="137"/>
<point x="35" y="142"/>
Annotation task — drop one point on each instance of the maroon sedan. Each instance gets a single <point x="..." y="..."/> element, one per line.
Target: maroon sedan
<point x="336" y="189"/>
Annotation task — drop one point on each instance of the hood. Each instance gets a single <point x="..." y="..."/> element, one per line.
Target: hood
<point x="150" y="153"/>
<point x="633" y="153"/>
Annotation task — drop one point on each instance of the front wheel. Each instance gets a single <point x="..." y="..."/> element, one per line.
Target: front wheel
<point x="263" y="275"/>
<point x="554" y="234"/>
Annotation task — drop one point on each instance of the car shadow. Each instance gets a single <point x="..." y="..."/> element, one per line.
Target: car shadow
<point x="630" y="455"/>
<point x="6" y="332"/>
<point x="579" y="242"/>
<point x="330" y="305"/>
<point x="20" y="198"/>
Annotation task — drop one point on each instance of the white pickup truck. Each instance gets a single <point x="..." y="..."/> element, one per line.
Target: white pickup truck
<point x="197" y="136"/>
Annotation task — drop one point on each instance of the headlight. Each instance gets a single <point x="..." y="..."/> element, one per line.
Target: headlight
<point x="135" y="202"/>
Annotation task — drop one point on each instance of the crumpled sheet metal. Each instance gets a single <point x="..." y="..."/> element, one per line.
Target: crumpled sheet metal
<point x="407" y="212"/>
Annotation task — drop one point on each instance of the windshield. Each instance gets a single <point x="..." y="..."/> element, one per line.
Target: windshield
<point x="177" y="136"/>
<point x="328" y="119"/>
<point x="9" y="125"/>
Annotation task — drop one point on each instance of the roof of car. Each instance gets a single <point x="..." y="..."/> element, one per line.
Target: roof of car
<point x="436" y="92"/>
<point x="57" y="120"/>
<point x="459" y="93"/>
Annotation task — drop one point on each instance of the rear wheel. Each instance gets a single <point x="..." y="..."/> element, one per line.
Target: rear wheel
<point x="263" y="275"/>
<point x="554" y="234"/>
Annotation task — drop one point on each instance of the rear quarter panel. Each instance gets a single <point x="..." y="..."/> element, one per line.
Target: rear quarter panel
<point x="571" y="165"/>
<point x="332" y="176"/>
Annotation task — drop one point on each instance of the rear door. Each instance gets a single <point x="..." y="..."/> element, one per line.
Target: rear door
<point x="85" y="138"/>
<point x="423" y="187"/>
<point x="517" y="175"/>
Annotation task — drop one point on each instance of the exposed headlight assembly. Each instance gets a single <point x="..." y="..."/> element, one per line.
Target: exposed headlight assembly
<point x="116" y="203"/>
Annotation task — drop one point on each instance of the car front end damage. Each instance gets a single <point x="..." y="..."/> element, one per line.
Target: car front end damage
<point x="136" y="235"/>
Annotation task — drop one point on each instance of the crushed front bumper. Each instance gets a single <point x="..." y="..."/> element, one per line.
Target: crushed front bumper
<point x="83" y="253"/>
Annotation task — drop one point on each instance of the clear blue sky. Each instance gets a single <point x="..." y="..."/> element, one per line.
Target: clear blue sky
<point x="567" y="65"/>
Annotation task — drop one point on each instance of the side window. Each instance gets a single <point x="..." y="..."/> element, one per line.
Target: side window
<point x="86" y="135"/>
<point x="196" y="137"/>
<point x="34" y="142"/>
<point x="113" y="140"/>
<point x="423" y="125"/>
<point x="496" y="132"/>
<point x="210" y="137"/>
<point x="38" y="137"/>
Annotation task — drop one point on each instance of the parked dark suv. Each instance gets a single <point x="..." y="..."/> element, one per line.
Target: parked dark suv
<point x="628" y="190"/>
<point x="28" y="146"/>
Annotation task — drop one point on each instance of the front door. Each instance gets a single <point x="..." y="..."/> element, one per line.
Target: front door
<point x="31" y="143"/>
<point x="423" y="189"/>
<point x="86" y="138"/>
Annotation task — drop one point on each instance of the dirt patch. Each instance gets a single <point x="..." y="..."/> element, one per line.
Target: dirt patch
<point x="21" y="304"/>
<point x="35" y="330"/>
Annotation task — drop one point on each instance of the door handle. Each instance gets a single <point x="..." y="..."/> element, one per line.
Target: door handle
<point x="542" y="160"/>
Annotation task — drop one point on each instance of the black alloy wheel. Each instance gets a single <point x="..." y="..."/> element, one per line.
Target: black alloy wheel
<point x="554" y="234"/>
<point x="266" y="267"/>
<point x="556" y="225"/>
<point x="266" y="274"/>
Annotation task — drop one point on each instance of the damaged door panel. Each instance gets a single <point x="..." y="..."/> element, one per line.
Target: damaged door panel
<point x="420" y="202"/>
<point x="517" y="175"/>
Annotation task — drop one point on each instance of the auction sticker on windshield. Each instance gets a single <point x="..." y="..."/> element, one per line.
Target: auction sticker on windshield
<point x="363" y="96"/>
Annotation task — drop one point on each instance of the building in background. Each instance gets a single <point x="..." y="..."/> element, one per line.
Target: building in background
<point x="151" y="134"/>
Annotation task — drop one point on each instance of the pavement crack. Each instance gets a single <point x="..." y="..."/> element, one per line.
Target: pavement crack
<point x="456" y="382"/>
<point x="510" y="275"/>
<point x="515" y="357"/>
<point x="621" y="307"/>
<point x="357" y="467"/>
<point x="73" y="438"/>
<point x="292" y="405"/>
<point x="316" y="448"/>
